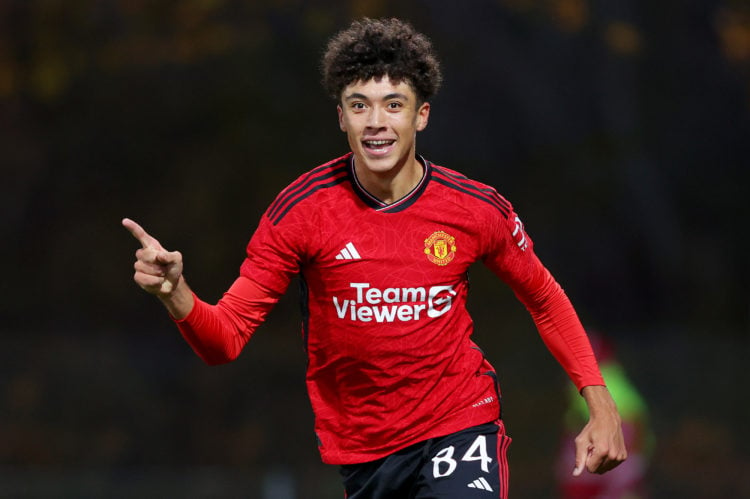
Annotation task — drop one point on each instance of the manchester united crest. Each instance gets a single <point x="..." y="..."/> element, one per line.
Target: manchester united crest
<point x="440" y="248"/>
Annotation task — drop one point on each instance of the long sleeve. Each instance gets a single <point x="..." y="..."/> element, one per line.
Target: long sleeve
<point x="511" y="256"/>
<point x="559" y="326"/>
<point x="218" y="333"/>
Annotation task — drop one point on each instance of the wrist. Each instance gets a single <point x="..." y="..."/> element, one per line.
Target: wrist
<point x="179" y="300"/>
<point x="598" y="399"/>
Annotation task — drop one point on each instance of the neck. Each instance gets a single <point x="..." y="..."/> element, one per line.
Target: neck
<point x="391" y="185"/>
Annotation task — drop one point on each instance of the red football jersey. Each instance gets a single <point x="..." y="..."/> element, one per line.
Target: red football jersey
<point x="385" y="325"/>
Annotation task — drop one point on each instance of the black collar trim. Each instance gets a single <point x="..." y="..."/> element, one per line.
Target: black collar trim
<point x="409" y="199"/>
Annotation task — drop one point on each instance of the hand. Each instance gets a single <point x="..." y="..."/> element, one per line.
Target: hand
<point x="157" y="270"/>
<point x="600" y="447"/>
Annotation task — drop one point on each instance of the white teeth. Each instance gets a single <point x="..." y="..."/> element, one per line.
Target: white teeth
<point x="378" y="143"/>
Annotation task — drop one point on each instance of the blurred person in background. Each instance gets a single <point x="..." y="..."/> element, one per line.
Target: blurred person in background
<point x="628" y="481"/>
<point x="404" y="402"/>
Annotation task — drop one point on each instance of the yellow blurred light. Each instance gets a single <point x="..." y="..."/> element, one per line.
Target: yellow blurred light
<point x="623" y="38"/>
<point x="8" y="79"/>
<point x="49" y="77"/>
<point x="570" y="15"/>
<point x="734" y="35"/>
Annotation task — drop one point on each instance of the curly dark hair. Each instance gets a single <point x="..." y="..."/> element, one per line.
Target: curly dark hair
<point x="374" y="48"/>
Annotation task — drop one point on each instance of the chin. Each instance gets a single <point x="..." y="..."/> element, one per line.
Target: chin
<point x="384" y="162"/>
<point x="379" y="166"/>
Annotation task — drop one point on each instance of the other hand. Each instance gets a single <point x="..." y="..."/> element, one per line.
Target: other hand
<point x="600" y="446"/>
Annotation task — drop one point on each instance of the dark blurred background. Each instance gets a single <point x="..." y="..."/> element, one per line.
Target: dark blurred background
<point x="619" y="130"/>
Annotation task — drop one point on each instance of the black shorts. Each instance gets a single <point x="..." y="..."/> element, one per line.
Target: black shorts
<point x="471" y="463"/>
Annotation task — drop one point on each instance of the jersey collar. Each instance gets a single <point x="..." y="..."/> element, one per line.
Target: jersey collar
<point x="399" y="205"/>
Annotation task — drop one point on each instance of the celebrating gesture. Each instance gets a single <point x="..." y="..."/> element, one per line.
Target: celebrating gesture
<point x="405" y="401"/>
<point x="159" y="271"/>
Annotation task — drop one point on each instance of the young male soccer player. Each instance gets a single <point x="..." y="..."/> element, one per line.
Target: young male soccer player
<point x="403" y="399"/>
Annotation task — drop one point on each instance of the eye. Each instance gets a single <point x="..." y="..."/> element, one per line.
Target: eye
<point x="393" y="105"/>
<point x="358" y="106"/>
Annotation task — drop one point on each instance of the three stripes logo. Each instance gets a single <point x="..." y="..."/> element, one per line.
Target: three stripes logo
<point x="481" y="484"/>
<point x="348" y="253"/>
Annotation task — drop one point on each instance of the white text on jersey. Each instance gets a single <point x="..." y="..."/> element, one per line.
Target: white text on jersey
<point x="394" y="304"/>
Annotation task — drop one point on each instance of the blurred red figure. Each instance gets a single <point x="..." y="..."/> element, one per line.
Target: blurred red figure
<point x="628" y="481"/>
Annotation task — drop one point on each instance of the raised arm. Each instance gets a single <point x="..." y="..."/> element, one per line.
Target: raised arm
<point x="159" y="272"/>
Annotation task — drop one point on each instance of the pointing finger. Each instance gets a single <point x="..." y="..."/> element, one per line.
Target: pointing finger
<point x="143" y="237"/>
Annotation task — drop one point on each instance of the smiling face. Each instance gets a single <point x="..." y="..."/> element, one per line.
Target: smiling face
<point x="381" y="120"/>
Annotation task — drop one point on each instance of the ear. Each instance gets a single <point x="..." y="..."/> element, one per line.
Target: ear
<point x="423" y="116"/>
<point x="340" y="112"/>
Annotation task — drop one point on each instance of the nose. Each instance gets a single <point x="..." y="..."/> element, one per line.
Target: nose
<point x="376" y="117"/>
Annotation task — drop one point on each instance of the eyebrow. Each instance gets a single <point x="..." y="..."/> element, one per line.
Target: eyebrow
<point x="394" y="95"/>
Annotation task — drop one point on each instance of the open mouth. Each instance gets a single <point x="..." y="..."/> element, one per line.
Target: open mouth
<point x="378" y="145"/>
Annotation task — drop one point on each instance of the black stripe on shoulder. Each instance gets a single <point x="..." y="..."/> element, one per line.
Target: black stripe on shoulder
<point x="459" y="176"/>
<point x="304" y="180"/>
<point x="307" y="181"/>
<point x="462" y="183"/>
<point x="314" y="187"/>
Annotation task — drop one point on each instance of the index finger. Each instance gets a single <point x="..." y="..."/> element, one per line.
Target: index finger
<point x="139" y="233"/>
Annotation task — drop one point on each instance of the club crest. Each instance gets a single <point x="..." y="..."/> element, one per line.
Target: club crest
<point x="440" y="248"/>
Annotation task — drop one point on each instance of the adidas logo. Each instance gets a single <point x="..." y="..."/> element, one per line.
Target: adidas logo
<point x="481" y="484"/>
<point x="348" y="253"/>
